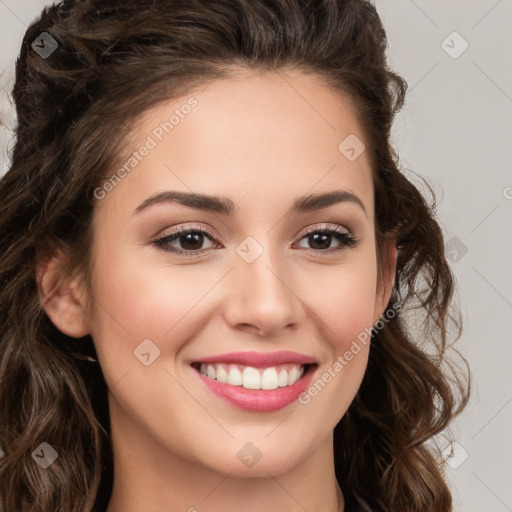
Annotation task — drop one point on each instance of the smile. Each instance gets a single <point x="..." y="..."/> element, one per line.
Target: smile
<point x="253" y="381"/>
<point x="254" y="378"/>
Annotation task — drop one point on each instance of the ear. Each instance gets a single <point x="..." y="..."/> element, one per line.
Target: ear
<point x="62" y="296"/>
<point x="386" y="279"/>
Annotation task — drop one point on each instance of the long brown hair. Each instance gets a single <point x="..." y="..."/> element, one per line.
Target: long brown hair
<point x="75" y="109"/>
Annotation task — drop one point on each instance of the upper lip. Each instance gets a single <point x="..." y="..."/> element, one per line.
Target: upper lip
<point x="259" y="359"/>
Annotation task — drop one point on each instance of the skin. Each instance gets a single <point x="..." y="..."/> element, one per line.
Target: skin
<point x="262" y="141"/>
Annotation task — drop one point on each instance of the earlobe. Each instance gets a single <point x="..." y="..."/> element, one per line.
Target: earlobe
<point x="61" y="297"/>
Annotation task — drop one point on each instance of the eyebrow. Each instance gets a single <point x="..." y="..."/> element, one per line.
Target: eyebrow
<point x="224" y="205"/>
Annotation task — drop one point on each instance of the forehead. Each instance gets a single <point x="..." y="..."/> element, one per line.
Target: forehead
<point x="248" y="135"/>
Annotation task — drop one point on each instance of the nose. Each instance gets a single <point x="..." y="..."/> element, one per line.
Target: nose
<point x="261" y="296"/>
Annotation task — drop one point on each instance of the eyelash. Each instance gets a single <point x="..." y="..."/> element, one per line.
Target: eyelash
<point x="346" y="238"/>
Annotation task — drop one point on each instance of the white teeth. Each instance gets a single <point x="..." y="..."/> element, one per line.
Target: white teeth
<point x="269" y="379"/>
<point x="222" y="374"/>
<point x="234" y="376"/>
<point x="293" y="376"/>
<point x="282" y="379"/>
<point x="253" y="378"/>
<point x="210" y="371"/>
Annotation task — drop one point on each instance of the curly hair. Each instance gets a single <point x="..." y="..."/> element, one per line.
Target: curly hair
<point x="76" y="107"/>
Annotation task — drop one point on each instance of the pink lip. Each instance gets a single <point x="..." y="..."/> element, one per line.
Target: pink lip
<point x="260" y="359"/>
<point x="258" y="400"/>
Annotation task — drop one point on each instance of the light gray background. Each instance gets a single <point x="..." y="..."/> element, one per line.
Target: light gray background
<point x="455" y="130"/>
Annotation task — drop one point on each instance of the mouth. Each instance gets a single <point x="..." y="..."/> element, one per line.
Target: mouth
<point x="250" y="377"/>
<point x="253" y="381"/>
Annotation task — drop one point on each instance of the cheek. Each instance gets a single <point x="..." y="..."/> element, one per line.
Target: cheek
<point x="134" y="302"/>
<point x="344" y="299"/>
<point x="346" y="309"/>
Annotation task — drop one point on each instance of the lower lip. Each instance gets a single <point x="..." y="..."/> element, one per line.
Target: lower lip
<point x="258" y="400"/>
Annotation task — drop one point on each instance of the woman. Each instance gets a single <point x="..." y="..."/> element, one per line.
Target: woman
<point x="210" y="259"/>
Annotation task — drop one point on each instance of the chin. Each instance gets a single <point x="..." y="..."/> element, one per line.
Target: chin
<point x="250" y="462"/>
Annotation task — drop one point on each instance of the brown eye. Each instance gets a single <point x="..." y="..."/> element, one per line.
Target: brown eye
<point x="321" y="239"/>
<point x="185" y="241"/>
<point x="191" y="241"/>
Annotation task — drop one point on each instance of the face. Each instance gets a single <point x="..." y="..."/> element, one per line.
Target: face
<point x="211" y="317"/>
